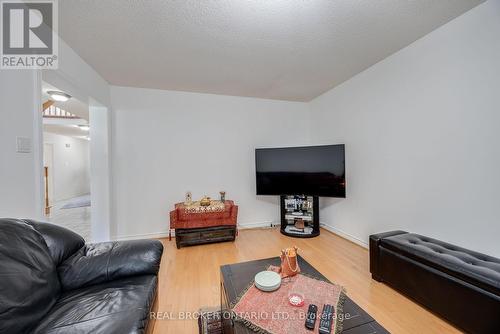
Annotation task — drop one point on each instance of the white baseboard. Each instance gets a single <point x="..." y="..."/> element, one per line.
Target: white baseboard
<point x="344" y="235"/>
<point x="164" y="234"/>
<point x="256" y="225"/>
<point x="155" y="235"/>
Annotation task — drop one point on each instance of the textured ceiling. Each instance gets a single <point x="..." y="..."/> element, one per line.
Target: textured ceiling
<point x="278" y="49"/>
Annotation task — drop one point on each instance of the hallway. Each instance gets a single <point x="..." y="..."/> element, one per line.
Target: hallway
<point x="73" y="214"/>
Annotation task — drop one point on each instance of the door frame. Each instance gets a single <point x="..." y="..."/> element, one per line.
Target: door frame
<point x="51" y="170"/>
<point x="100" y="149"/>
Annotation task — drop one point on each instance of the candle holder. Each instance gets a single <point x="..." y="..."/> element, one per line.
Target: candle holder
<point x="296" y="298"/>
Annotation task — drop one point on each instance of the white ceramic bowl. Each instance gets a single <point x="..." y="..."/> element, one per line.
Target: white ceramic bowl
<point x="267" y="281"/>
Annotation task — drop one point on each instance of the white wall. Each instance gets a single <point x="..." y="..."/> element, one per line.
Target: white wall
<point x="166" y="143"/>
<point x="20" y="173"/>
<point x="71" y="167"/>
<point x="422" y="135"/>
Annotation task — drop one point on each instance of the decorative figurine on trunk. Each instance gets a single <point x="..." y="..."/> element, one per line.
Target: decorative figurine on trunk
<point x="189" y="198"/>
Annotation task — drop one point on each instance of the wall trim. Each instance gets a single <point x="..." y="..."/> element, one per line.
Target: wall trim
<point x="247" y="226"/>
<point x="344" y="235"/>
<point x="154" y="235"/>
<point x="164" y="234"/>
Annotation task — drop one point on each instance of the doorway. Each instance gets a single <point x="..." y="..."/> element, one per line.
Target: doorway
<point x="66" y="162"/>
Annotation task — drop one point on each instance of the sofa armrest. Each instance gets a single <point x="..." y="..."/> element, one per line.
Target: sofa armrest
<point x="108" y="261"/>
<point x="374" y="251"/>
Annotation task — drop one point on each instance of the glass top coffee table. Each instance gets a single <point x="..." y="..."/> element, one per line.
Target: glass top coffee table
<point x="235" y="278"/>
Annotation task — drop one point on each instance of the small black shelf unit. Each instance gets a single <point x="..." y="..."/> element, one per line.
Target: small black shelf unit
<point x="298" y="209"/>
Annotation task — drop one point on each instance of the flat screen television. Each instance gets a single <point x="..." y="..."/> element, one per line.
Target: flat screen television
<point x="307" y="170"/>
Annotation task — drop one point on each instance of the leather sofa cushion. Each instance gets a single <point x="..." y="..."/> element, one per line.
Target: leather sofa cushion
<point x="107" y="261"/>
<point x="117" y="307"/>
<point x="62" y="243"/>
<point x="473" y="267"/>
<point x="29" y="285"/>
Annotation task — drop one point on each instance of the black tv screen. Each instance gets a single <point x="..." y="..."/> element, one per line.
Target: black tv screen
<point x="308" y="170"/>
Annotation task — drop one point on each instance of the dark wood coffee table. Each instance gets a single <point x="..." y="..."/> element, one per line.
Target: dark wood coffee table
<point x="236" y="277"/>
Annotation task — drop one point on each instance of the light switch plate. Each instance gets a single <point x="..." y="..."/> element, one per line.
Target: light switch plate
<point x="23" y="145"/>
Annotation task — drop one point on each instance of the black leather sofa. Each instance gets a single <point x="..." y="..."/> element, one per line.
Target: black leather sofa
<point x="460" y="285"/>
<point x="52" y="282"/>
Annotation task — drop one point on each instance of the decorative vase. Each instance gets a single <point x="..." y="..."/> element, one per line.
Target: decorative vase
<point x="189" y="198"/>
<point x="289" y="264"/>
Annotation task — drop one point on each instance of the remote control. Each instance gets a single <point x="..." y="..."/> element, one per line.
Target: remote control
<point x="311" y="316"/>
<point x="325" y="325"/>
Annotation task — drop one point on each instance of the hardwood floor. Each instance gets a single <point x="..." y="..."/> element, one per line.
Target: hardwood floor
<point x="189" y="279"/>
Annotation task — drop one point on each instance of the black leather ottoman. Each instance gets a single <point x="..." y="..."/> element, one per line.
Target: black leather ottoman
<point x="460" y="285"/>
